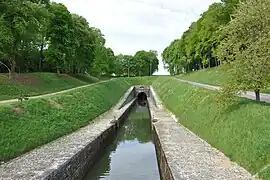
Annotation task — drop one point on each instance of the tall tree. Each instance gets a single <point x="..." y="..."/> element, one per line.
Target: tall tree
<point x="22" y="20"/>
<point x="246" y="47"/>
<point x="146" y="63"/>
<point x="59" y="36"/>
<point x="197" y="48"/>
<point x="83" y="41"/>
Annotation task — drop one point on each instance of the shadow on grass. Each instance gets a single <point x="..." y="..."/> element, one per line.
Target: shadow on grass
<point x="243" y="102"/>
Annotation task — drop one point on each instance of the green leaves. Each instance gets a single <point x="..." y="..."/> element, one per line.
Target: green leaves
<point x="246" y="46"/>
<point x="21" y="22"/>
<point x="59" y="35"/>
<point x="38" y="35"/>
<point x="196" y="48"/>
<point x="143" y="63"/>
<point x="146" y="63"/>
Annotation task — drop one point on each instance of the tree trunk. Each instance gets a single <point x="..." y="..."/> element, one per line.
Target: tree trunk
<point x="257" y="93"/>
<point x="12" y="67"/>
<point x="41" y="56"/>
<point x="216" y="61"/>
<point x="9" y="71"/>
<point x="58" y="71"/>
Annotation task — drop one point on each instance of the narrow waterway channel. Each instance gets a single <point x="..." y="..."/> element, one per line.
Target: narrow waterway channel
<point x="131" y="156"/>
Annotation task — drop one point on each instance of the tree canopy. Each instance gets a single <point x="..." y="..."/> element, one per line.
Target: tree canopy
<point x="232" y="32"/>
<point x="143" y="63"/>
<point x="39" y="35"/>
<point x="246" y="47"/>
<point x="196" y="49"/>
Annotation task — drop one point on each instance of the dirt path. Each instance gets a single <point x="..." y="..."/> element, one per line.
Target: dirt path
<point x="248" y="95"/>
<point x="51" y="94"/>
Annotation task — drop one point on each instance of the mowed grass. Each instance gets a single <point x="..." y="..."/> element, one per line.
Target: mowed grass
<point x="265" y="174"/>
<point x="242" y="133"/>
<point x="146" y="80"/>
<point x="38" y="83"/>
<point x="87" y="78"/>
<point x="27" y="125"/>
<point x="215" y="76"/>
<point x="211" y="76"/>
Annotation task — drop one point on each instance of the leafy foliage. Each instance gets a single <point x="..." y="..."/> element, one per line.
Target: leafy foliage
<point x="246" y="47"/>
<point x="143" y="63"/>
<point x="197" y="47"/>
<point x="146" y="63"/>
<point x="39" y="35"/>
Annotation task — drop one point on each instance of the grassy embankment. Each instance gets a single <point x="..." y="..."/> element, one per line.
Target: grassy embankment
<point x="242" y="133"/>
<point x="212" y="76"/>
<point x="27" y="125"/>
<point x="140" y="80"/>
<point x="39" y="83"/>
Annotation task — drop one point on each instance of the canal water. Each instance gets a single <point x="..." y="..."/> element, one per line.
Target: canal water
<point x="131" y="156"/>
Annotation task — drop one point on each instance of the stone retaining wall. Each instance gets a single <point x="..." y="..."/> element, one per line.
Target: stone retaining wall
<point x="164" y="169"/>
<point x="129" y="98"/>
<point x="80" y="163"/>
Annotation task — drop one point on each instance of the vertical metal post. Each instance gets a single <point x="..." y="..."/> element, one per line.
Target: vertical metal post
<point x="150" y="71"/>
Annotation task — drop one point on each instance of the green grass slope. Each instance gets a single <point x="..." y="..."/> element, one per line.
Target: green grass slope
<point x="27" y="125"/>
<point x="87" y="78"/>
<point x="211" y="76"/>
<point x="147" y="80"/>
<point x="39" y="83"/>
<point x="242" y="133"/>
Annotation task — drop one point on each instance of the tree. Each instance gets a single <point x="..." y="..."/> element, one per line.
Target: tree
<point x="197" y="48"/>
<point x="111" y="61"/>
<point x="82" y="40"/>
<point x="37" y="35"/>
<point x="21" y="21"/>
<point x="246" y="47"/>
<point x="146" y="63"/>
<point x="59" y="36"/>
<point x="125" y="65"/>
<point x="6" y="39"/>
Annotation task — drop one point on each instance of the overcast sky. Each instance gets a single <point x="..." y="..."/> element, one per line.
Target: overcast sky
<point x="132" y="25"/>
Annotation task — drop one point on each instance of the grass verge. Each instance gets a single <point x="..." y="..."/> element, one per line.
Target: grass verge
<point x="147" y="80"/>
<point x="27" y="125"/>
<point x="242" y="133"/>
<point x="215" y="76"/>
<point x="87" y="78"/>
<point x="212" y="76"/>
<point x="38" y="83"/>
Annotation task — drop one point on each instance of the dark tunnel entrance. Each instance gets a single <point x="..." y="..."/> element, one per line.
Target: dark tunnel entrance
<point x="142" y="99"/>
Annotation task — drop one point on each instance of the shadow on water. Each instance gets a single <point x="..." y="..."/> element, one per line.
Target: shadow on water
<point x="131" y="156"/>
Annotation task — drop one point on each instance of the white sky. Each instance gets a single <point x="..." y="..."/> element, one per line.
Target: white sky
<point x="132" y="25"/>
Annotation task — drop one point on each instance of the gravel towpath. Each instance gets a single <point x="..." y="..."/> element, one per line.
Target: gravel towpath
<point x="248" y="95"/>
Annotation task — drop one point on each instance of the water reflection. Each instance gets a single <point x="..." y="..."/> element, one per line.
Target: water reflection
<point x="132" y="154"/>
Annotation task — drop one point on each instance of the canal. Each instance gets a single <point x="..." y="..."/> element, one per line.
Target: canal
<point x="131" y="156"/>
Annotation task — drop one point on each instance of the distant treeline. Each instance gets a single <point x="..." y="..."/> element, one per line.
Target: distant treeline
<point x="39" y="35"/>
<point x="197" y="48"/>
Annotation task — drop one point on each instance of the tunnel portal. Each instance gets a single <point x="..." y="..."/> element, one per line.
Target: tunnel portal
<point x="142" y="99"/>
